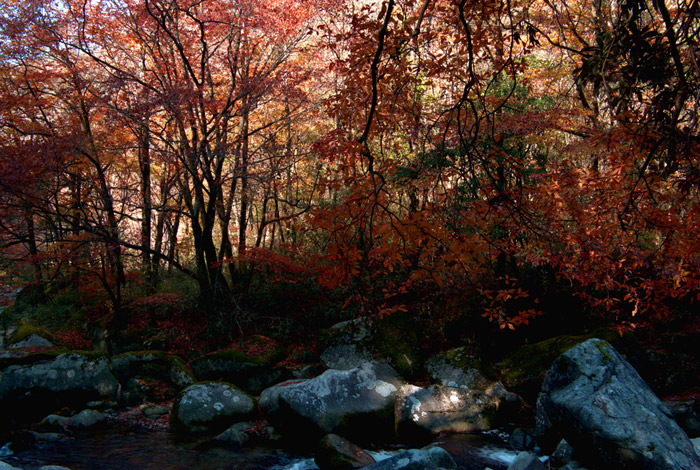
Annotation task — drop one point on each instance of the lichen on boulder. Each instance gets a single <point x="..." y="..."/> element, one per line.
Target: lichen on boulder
<point x="210" y="407"/>
<point x="30" y="391"/>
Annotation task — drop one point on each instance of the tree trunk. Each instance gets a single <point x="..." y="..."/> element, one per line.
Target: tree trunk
<point x="146" y="210"/>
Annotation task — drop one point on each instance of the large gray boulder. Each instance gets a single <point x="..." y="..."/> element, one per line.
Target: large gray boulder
<point x="31" y="391"/>
<point x="429" y="458"/>
<point x="422" y="412"/>
<point x="602" y="407"/>
<point x="269" y="400"/>
<point x="358" y="404"/>
<point x="210" y="407"/>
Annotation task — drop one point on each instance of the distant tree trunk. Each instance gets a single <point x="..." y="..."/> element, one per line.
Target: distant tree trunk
<point x="33" y="250"/>
<point x="172" y="235"/>
<point x="263" y="223"/>
<point x="226" y="209"/>
<point x="243" y="212"/>
<point x="165" y="187"/>
<point x="144" y="155"/>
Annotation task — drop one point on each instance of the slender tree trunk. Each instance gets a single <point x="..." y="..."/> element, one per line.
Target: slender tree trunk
<point x="172" y="236"/>
<point x="243" y="210"/>
<point x="33" y="249"/>
<point x="146" y="210"/>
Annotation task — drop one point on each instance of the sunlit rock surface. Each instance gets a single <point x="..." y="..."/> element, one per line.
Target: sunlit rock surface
<point x="422" y="412"/>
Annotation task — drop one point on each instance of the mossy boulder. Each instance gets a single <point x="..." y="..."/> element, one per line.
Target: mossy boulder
<point x="524" y="370"/>
<point x="226" y="362"/>
<point x="392" y="339"/>
<point x="28" y="335"/>
<point x="156" y="364"/>
<point x="230" y="365"/>
<point x="457" y="368"/>
<point x="22" y="358"/>
<point x="349" y="344"/>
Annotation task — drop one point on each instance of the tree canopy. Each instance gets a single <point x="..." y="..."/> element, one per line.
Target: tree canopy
<point x="484" y="153"/>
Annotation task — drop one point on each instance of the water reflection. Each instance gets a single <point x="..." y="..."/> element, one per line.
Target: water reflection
<point x="120" y="448"/>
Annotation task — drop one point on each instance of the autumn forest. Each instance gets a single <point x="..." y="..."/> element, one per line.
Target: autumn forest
<point x="213" y="168"/>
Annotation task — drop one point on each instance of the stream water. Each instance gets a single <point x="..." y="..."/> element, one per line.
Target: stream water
<point x="118" y="448"/>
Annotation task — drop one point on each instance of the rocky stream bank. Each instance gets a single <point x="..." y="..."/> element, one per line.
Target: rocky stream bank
<point x="593" y="409"/>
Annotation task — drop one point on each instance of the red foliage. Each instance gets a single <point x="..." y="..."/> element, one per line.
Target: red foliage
<point x="293" y="264"/>
<point x="181" y="329"/>
<point x="256" y="346"/>
<point x="74" y="338"/>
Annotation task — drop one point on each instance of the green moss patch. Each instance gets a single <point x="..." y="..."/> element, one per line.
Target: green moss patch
<point x="26" y="330"/>
<point x="524" y="370"/>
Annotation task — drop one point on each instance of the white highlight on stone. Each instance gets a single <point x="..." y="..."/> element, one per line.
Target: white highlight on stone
<point x="384" y="388"/>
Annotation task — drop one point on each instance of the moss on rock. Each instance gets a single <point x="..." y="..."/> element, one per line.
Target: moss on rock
<point x="26" y="330"/>
<point x="156" y="364"/>
<point x="523" y="371"/>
